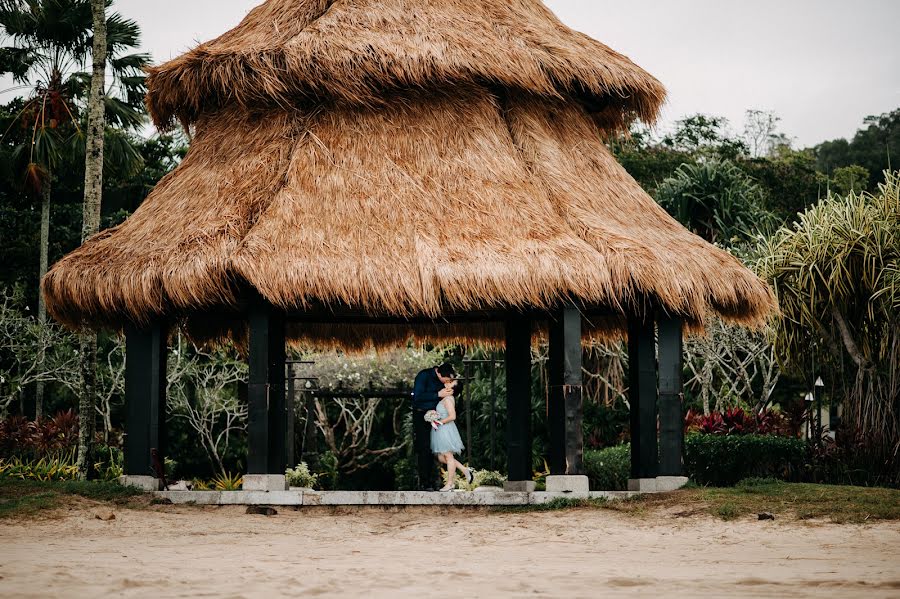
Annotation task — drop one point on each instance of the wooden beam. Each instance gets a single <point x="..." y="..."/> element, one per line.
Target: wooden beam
<point x="145" y="397"/>
<point x="671" y="416"/>
<point x="289" y="403"/>
<point x="642" y="395"/>
<point x="518" y="397"/>
<point x="267" y="420"/>
<point x="564" y="411"/>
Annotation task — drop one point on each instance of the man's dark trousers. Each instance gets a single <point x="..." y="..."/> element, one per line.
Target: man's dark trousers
<point x="422" y="449"/>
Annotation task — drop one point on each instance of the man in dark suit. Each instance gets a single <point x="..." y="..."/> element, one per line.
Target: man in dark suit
<point x="427" y="392"/>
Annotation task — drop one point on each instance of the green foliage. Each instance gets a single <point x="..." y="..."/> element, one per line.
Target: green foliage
<point x="705" y="136"/>
<point x="723" y="460"/>
<point x="376" y="371"/>
<point x="111" y="463"/>
<point x="727" y="511"/>
<point x="301" y="476"/>
<point x="790" y="180"/>
<point x="852" y="179"/>
<point x="875" y="148"/>
<point x="488" y="478"/>
<point x="26" y="497"/>
<point x="328" y="473"/>
<point x="45" y="469"/>
<point x="228" y="482"/>
<point x="836" y="273"/>
<point x="715" y="199"/>
<point x="608" y="469"/>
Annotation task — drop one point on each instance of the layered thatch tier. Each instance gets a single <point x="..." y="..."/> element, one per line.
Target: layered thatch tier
<point x="289" y="50"/>
<point x="434" y="204"/>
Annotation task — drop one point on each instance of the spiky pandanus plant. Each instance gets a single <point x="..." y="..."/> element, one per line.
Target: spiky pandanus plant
<point x="836" y="272"/>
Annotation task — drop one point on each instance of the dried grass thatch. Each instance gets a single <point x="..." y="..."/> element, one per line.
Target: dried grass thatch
<point x="285" y="50"/>
<point x="462" y="189"/>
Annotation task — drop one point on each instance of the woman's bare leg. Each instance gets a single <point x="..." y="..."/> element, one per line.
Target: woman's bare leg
<point x="451" y="470"/>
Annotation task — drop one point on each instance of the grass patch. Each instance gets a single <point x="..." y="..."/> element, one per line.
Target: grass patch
<point x="20" y="498"/>
<point x="836" y="503"/>
<point x="555" y="504"/>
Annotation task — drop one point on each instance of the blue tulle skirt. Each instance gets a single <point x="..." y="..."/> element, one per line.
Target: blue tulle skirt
<point x="446" y="438"/>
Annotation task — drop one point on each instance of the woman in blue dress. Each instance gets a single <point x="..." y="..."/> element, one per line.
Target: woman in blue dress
<point x="445" y="440"/>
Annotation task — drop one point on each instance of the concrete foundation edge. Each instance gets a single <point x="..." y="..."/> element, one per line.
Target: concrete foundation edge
<point x="381" y="498"/>
<point x="264" y="482"/>
<point x="568" y="483"/>
<point x="144" y="483"/>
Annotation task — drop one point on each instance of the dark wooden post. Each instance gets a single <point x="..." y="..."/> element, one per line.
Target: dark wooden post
<point x="671" y="418"/>
<point x="642" y="395"/>
<point x="289" y="404"/>
<point x="145" y="397"/>
<point x="267" y="421"/>
<point x="564" y="412"/>
<point x="518" y="397"/>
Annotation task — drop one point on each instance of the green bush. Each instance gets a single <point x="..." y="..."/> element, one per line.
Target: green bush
<point x="301" y="476"/>
<point x="723" y="460"/>
<point x="608" y="469"/>
<point x="488" y="478"/>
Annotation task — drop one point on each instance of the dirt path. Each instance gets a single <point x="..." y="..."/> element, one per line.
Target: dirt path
<point x="221" y="552"/>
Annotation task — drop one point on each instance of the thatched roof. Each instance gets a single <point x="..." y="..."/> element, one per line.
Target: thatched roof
<point x="477" y="181"/>
<point x="286" y="50"/>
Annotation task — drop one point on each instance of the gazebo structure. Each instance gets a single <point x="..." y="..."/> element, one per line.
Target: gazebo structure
<point x="363" y="173"/>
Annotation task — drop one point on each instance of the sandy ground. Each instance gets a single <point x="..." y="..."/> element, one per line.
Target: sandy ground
<point x="169" y="551"/>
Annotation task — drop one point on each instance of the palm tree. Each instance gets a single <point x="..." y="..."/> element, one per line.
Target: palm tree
<point x="51" y="44"/>
<point x="90" y="225"/>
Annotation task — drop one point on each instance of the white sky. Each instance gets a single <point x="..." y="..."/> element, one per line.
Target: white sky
<point x="822" y="65"/>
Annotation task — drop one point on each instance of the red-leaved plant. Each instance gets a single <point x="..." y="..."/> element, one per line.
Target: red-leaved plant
<point x="735" y="421"/>
<point x="25" y="438"/>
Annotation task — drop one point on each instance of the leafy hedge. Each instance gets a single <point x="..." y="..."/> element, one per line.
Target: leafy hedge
<point x="723" y="460"/>
<point x="718" y="460"/>
<point x="608" y="469"/>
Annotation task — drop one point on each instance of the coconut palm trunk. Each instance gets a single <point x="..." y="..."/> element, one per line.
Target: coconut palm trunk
<point x="42" y="308"/>
<point x="93" y="190"/>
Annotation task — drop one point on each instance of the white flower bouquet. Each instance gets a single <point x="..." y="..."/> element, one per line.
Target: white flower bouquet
<point x="433" y="417"/>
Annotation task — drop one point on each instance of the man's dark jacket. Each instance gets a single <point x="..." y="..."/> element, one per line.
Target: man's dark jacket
<point x="425" y="390"/>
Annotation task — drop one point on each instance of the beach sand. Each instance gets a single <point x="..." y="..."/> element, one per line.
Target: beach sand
<point x="173" y="551"/>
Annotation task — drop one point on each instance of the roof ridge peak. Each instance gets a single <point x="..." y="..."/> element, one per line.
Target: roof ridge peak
<point x="285" y="50"/>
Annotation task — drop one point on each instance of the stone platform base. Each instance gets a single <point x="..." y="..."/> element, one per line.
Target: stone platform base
<point x="144" y="483"/>
<point x="264" y="482"/>
<point x="642" y="485"/>
<point x="670" y="483"/>
<point x="392" y="498"/>
<point x="567" y="483"/>
<point x="519" y="486"/>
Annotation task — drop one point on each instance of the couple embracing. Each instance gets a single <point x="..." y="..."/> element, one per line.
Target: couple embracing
<point x="434" y="427"/>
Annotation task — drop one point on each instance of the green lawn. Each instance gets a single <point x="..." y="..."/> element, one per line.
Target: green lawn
<point x="27" y="497"/>
<point x="784" y="500"/>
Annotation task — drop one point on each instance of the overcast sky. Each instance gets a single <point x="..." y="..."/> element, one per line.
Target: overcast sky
<point x="821" y="65"/>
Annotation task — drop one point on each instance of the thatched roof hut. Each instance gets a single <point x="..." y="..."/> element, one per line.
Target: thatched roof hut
<point x="381" y="168"/>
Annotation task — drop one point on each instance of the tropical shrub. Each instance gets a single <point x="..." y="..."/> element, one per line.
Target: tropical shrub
<point x="723" y="460"/>
<point x="608" y="469"/>
<point x="715" y="199"/>
<point x="836" y="273"/>
<point x="45" y="469"/>
<point x="228" y="482"/>
<point x="36" y="439"/>
<point x="736" y="421"/>
<point x="301" y="476"/>
<point x="488" y="478"/>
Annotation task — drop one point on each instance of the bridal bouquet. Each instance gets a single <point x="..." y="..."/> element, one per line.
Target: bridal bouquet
<point x="432" y="416"/>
